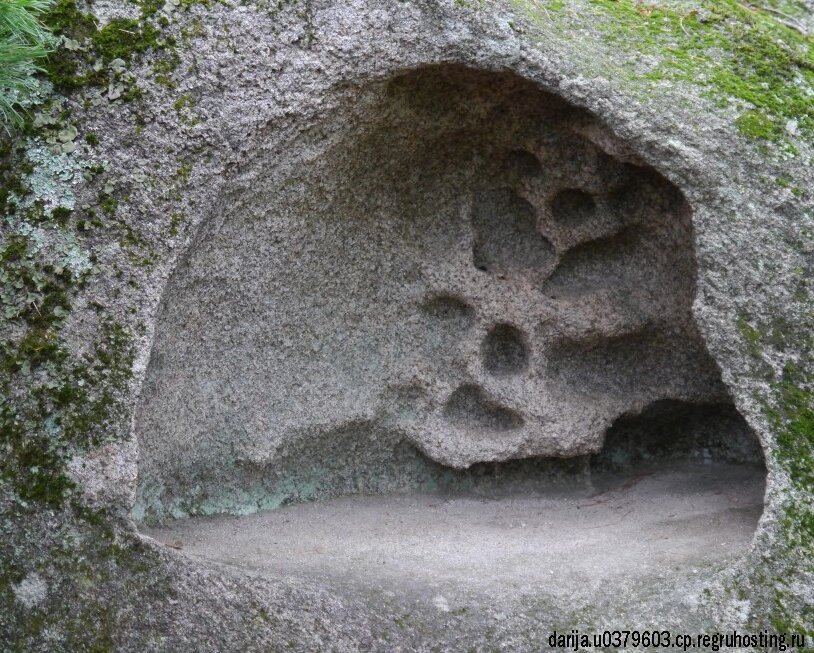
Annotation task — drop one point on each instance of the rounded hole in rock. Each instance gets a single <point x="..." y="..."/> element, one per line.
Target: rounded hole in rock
<point x="448" y="309"/>
<point x="505" y="233"/>
<point x="573" y="206"/>
<point x="523" y="165"/>
<point x="470" y="408"/>
<point x="277" y="424"/>
<point x="504" y="350"/>
<point x="506" y="236"/>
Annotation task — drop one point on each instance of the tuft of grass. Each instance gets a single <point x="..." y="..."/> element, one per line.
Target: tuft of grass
<point x="23" y="40"/>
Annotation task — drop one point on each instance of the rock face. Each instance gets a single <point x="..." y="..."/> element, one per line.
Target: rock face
<point x="318" y="249"/>
<point x="468" y="263"/>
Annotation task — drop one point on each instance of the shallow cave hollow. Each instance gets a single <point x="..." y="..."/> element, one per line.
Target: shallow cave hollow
<point x="455" y="283"/>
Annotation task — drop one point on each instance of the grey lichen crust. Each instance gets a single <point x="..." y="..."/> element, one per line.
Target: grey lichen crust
<point x="322" y="131"/>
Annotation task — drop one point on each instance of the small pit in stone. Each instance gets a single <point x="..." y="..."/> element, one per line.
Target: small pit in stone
<point x="468" y="407"/>
<point x="447" y="308"/>
<point x="506" y="235"/>
<point x="504" y="350"/>
<point x="523" y="165"/>
<point x="573" y="207"/>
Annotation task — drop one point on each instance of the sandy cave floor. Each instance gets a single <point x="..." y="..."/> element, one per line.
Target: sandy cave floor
<point x="685" y="518"/>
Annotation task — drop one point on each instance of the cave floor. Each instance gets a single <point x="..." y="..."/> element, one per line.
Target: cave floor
<point x="685" y="519"/>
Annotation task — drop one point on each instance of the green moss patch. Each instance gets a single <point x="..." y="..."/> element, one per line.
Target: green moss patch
<point x="793" y="418"/>
<point x="122" y="38"/>
<point x="50" y="402"/>
<point x="745" y="57"/>
<point x="65" y="405"/>
<point x="791" y="415"/>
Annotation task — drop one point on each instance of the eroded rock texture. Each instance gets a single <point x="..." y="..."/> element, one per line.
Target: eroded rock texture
<point x="462" y="262"/>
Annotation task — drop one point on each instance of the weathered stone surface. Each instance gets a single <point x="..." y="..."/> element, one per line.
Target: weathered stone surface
<point x="357" y="154"/>
<point x="455" y="265"/>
